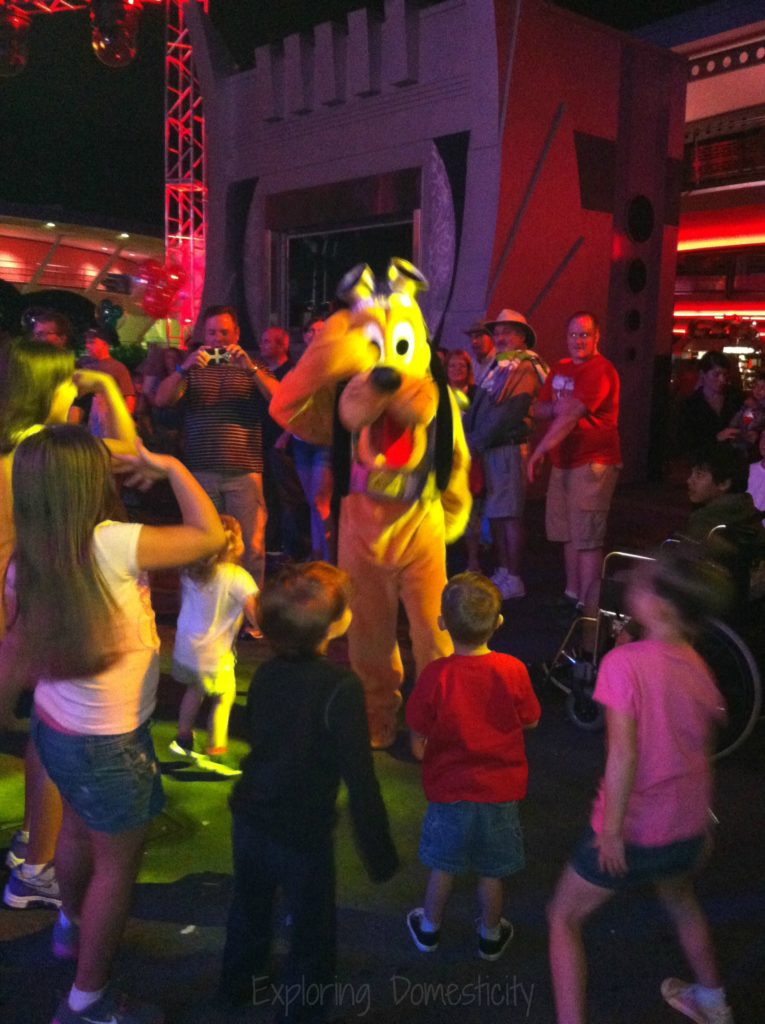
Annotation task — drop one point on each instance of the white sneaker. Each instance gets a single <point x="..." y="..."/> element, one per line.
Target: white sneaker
<point x="681" y="996"/>
<point x="508" y="584"/>
<point x="22" y="891"/>
<point x="499" y="577"/>
<point x="512" y="586"/>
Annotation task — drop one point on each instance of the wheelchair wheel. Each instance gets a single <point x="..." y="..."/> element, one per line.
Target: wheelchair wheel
<point x="584" y="712"/>
<point x="738" y="680"/>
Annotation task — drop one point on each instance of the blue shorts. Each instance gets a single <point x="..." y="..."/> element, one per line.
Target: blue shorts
<point x="112" y="782"/>
<point x="645" y="864"/>
<point x="470" y="838"/>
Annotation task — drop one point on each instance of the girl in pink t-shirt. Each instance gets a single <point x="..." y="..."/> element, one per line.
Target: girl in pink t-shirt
<point x="649" y="820"/>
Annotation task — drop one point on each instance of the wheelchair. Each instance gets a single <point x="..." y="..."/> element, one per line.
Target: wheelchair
<point x="725" y="651"/>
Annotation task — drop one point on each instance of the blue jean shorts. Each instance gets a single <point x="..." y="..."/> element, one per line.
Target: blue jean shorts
<point x="646" y="865"/>
<point x="112" y="782"/>
<point x="470" y="838"/>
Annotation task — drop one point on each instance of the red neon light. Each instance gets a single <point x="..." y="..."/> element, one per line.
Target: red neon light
<point x="722" y="242"/>
<point x="720" y="312"/>
<point x="727" y="228"/>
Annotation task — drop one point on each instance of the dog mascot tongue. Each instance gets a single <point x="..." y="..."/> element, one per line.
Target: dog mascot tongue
<point x="370" y="386"/>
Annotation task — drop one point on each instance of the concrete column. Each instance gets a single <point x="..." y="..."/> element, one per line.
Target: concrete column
<point x="269" y="73"/>
<point x="364" y="53"/>
<point x="298" y="73"/>
<point x="330" y="63"/>
<point x="401" y="43"/>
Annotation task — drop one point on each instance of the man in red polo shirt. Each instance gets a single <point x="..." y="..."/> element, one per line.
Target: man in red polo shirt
<point x="581" y="397"/>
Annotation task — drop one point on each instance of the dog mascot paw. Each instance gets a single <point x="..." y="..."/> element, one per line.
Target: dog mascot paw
<point x="371" y="386"/>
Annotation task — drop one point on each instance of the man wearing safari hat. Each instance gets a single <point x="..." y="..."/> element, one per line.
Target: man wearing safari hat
<point x="508" y="378"/>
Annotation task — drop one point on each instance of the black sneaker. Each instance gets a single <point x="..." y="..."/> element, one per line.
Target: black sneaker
<point x="426" y="942"/>
<point x="492" y="949"/>
<point x="17" y="851"/>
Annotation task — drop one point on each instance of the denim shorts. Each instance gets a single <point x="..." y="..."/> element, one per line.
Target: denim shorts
<point x="645" y="864"/>
<point x="112" y="782"/>
<point x="470" y="838"/>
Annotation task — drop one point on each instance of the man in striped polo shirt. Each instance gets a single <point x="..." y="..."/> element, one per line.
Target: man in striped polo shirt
<point x="225" y="398"/>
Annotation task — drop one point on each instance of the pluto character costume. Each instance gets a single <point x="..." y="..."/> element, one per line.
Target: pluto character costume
<point x="371" y="386"/>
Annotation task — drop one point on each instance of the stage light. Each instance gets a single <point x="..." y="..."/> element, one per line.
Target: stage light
<point x="14" y="41"/>
<point x="115" y="31"/>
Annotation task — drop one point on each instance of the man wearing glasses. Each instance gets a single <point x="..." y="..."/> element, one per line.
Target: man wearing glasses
<point x="581" y="397"/>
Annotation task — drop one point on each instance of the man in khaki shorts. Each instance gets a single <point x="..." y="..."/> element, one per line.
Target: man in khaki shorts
<point x="508" y="376"/>
<point x="581" y="397"/>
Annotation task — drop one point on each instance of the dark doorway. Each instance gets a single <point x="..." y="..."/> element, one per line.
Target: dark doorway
<point x="316" y="262"/>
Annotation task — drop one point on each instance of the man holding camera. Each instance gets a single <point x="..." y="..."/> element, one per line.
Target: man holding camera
<point x="225" y="398"/>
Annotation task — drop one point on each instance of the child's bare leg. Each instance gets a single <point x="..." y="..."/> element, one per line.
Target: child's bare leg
<point x="491" y="898"/>
<point x="683" y="907"/>
<point x="42" y="809"/>
<point x="573" y="902"/>
<point x="438" y="891"/>
<point x="190" y="705"/>
<point x="217" y="721"/>
<point x="74" y="863"/>
<point x="106" y="903"/>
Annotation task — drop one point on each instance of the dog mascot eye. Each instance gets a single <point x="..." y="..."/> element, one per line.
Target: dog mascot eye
<point x="373" y="332"/>
<point x="403" y="341"/>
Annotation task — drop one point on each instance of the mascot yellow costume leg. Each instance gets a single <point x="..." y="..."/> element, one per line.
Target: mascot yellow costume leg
<point x="370" y="385"/>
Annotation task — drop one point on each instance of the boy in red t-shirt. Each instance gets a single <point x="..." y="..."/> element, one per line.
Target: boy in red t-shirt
<point x="467" y="715"/>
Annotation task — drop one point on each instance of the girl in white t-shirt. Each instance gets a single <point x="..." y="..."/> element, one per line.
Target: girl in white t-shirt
<point x="38" y="384"/>
<point x="86" y="634"/>
<point x="216" y="593"/>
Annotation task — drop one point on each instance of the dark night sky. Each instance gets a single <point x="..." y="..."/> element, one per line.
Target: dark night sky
<point x="89" y="140"/>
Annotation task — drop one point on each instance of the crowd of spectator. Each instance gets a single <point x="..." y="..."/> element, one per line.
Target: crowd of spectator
<point x="280" y="487"/>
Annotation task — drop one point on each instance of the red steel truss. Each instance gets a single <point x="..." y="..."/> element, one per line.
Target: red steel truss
<point x="44" y="6"/>
<point x="185" y="178"/>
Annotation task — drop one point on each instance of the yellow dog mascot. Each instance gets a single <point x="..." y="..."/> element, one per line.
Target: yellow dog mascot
<point x="371" y="386"/>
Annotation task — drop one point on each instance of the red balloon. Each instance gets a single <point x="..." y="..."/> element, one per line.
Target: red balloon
<point x="176" y="276"/>
<point x="150" y="272"/>
<point x="157" y="301"/>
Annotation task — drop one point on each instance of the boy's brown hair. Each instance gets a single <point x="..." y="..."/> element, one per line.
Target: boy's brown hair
<point x="470" y="606"/>
<point x="297" y="606"/>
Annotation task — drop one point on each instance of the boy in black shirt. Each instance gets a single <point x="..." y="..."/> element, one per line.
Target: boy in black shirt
<point x="308" y="730"/>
